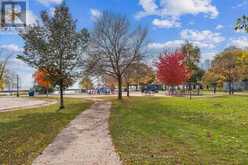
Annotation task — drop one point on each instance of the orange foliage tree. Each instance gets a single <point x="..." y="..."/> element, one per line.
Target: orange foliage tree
<point x="42" y="79"/>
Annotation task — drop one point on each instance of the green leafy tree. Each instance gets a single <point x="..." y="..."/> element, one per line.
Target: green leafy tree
<point x="243" y="63"/>
<point x="86" y="83"/>
<point x="192" y="58"/>
<point x="192" y="55"/>
<point x="242" y="24"/>
<point x="226" y="65"/>
<point x="212" y="79"/>
<point x="197" y="75"/>
<point x="55" y="46"/>
<point x="138" y="73"/>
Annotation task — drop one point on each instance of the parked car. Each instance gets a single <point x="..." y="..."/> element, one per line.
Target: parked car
<point x="103" y="90"/>
<point x="31" y="92"/>
<point x="152" y="88"/>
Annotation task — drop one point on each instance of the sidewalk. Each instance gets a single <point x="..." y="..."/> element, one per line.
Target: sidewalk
<point x="86" y="141"/>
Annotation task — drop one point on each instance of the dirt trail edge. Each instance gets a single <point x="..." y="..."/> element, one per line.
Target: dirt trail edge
<point x="85" y="141"/>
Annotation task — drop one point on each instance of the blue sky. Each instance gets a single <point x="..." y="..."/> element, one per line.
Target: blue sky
<point x="209" y="24"/>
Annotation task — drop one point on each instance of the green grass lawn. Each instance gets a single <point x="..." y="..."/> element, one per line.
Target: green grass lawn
<point x="148" y="130"/>
<point x="25" y="134"/>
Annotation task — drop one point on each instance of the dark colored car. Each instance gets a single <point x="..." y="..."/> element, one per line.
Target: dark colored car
<point x="103" y="90"/>
<point x="152" y="88"/>
<point x="31" y="92"/>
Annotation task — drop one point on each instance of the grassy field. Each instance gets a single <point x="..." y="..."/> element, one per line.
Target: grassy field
<point x="25" y="134"/>
<point x="148" y="130"/>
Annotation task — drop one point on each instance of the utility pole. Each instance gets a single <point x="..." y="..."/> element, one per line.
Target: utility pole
<point x="17" y="86"/>
<point x="190" y="87"/>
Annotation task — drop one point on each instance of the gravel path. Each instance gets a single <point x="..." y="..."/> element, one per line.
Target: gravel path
<point x="13" y="103"/>
<point x="86" y="141"/>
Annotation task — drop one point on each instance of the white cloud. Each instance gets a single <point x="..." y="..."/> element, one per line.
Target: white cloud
<point x="182" y="7"/>
<point x="31" y="18"/>
<point x="16" y="66"/>
<point x="148" y="5"/>
<point x="174" y="9"/>
<point x="166" y="23"/>
<point x="167" y="45"/>
<point x="11" y="48"/>
<point x="24" y="71"/>
<point x="203" y="39"/>
<point x="150" y="8"/>
<point x="241" y="42"/>
<point x="218" y="27"/>
<point x="95" y="14"/>
<point x="240" y="5"/>
<point x="208" y="55"/>
<point x="46" y="2"/>
<point x="51" y="11"/>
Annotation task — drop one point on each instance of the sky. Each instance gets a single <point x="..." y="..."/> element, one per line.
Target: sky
<point x="209" y="24"/>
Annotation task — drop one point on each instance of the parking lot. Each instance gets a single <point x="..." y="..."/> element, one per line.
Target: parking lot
<point x="9" y="103"/>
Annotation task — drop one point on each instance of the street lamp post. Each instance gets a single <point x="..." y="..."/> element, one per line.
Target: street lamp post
<point x="190" y="85"/>
<point x="17" y="86"/>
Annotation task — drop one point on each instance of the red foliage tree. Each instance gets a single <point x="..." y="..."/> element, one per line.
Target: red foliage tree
<point x="171" y="69"/>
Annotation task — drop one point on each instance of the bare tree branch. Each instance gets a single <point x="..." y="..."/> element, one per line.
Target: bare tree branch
<point x="113" y="47"/>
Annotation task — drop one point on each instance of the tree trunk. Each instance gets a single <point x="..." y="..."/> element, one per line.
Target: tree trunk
<point x="230" y="87"/>
<point x="214" y="89"/>
<point x="198" y="90"/>
<point x="190" y="91"/>
<point x="17" y="87"/>
<point x="173" y="91"/>
<point x="128" y="93"/>
<point x="119" y="87"/>
<point x="61" y="96"/>
<point x="47" y="92"/>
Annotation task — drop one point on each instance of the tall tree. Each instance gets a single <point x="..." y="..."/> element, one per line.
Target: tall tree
<point x="114" y="47"/>
<point x="56" y="47"/>
<point x="2" y="74"/>
<point x="3" y="71"/>
<point x="192" y="58"/>
<point x="243" y="64"/>
<point x="3" y="64"/>
<point x="226" y="65"/>
<point x="138" y="73"/>
<point x="86" y="83"/>
<point x="2" y="83"/>
<point x="10" y="80"/>
<point x="213" y="79"/>
<point x="242" y="24"/>
<point x="192" y="55"/>
<point x="196" y="78"/>
<point x="110" y="82"/>
<point x="172" y="70"/>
